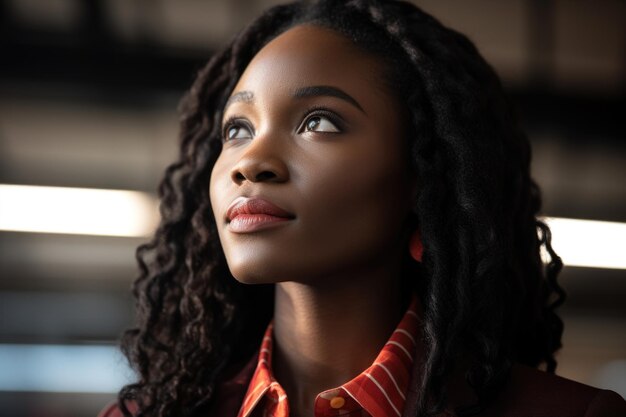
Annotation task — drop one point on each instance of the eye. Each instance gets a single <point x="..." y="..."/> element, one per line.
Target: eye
<point x="234" y="129"/>
<point x="319" y="123"/>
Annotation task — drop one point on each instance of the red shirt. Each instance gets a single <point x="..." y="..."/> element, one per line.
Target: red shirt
<point x="379" y="391"/>
<point x="528" y="391"/>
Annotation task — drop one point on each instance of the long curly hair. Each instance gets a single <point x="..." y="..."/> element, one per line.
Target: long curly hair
<point x="486" y="293"/>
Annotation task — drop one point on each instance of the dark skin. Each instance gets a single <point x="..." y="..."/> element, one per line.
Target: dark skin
<point x="335" y="158"/>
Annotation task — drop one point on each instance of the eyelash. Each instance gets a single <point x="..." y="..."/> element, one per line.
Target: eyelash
<point x="235" y="121"/>
<point x="315" y="111"/>
<point x="325" y="112"/>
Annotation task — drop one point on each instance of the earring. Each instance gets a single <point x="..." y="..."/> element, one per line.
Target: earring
<point x="416" y="249"/>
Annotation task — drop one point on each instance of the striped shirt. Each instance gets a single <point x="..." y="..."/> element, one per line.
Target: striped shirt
<point x="379" y="391"/>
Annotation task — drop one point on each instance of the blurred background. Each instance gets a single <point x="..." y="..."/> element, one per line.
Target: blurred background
<point x="88" y="98"/>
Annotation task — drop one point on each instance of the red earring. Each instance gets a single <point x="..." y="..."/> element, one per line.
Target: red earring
<point x="415" y="246"/>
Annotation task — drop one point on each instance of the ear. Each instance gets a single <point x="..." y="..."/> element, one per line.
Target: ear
<point x="416" y="248"/>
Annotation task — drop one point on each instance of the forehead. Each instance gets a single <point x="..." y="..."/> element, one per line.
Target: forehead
<point x="311" y="55"/>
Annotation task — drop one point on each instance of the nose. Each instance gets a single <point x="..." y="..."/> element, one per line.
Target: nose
<point x="261" y="161"/>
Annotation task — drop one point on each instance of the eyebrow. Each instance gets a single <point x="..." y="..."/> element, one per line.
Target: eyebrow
<point x="325" y="90"/>
<point x="304" y="92"/>
<point x="242" y="96"/>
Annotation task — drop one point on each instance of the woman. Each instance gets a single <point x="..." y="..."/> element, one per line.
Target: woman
<point x="350" y="230"/>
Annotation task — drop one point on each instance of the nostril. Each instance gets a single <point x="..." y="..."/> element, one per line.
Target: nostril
<point x="265" y="175"/>
<point x="259" y="171"/>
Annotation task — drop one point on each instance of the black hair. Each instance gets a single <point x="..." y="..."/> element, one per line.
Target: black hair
<point x="488" y="298"/>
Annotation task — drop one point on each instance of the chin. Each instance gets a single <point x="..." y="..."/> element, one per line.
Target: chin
<point x="262" y="263"/>
<point x="251" y="272"/>
<point x="250" y="278"/>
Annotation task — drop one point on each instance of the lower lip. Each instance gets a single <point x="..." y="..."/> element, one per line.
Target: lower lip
<point x="247" y="223"/>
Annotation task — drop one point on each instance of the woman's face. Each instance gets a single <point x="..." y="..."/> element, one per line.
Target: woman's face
<point x="311" y="129"/>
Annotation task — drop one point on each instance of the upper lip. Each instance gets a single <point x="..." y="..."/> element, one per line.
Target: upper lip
<point x="255" y="205"/>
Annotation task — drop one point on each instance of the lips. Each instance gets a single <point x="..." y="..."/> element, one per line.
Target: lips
<point x="252" y="214"/>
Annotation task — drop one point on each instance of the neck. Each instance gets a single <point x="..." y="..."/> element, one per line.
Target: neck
<point x="327" y="334"/>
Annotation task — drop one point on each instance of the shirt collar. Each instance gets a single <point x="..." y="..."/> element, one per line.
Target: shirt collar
<point x="380" y="390"/>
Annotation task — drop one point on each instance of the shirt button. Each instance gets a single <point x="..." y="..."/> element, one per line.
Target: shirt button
<point x="337" y="402"/>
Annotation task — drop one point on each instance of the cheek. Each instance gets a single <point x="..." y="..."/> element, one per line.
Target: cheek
<point x="369" y="173"/>
<point x="218" y="184"/>
<point x="364" y="197"/>
<point x="218" y="194"/>
<point x="360" y="205"/>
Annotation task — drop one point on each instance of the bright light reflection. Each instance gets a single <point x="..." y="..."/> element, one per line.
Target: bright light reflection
<point x="83" y="211"/>
<point x="589" y="243"/>
<point x="60" y="368"/>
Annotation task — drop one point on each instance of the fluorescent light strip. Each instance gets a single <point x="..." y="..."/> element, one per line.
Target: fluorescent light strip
<point x="63" y="368"/>
<point x="589" y="243"/>
<point x="586" y="243"/>
<point x="82" y="211"/>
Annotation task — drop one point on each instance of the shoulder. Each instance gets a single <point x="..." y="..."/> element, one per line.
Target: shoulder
<point x="533" y="393"/>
